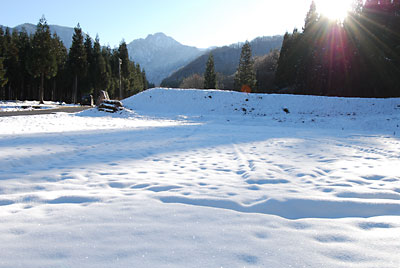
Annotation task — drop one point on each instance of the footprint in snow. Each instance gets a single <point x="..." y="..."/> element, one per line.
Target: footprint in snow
<point x="374" y="225"/>
<point x="158" y="189"/>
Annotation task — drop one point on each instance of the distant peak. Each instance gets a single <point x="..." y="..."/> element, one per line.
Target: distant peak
<point x="25" y="25"/>
<point x="161" y="39"/>
<point x="158" y="36"/>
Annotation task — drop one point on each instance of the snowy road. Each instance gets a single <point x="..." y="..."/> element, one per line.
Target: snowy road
<point x="72" y="109"/>
<point x="150" y="192"/>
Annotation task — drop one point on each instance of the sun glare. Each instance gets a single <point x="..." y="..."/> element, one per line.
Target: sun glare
<point x="335" y="10"/>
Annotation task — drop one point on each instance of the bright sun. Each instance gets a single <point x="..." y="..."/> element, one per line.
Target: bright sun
<point x="335" y="10"/>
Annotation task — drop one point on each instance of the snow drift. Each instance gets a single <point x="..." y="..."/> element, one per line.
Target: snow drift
<point x="217" y="102"/>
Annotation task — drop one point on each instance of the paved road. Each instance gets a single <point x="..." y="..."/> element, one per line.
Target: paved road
<point x="47" y="111"/>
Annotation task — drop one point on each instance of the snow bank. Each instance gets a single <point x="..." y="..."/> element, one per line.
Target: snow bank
<point x="316" y="112"/>
<point x="217" y="102"/>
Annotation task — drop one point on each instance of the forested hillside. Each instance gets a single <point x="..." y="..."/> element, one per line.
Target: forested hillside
<point x="226" y="61"/>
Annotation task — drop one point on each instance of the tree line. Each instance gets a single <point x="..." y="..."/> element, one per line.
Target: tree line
<point x="357" y="57"/>
<point x="253" y="73"/>
<point x="39" y="67"/>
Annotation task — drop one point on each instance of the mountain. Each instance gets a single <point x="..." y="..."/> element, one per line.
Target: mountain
<point x="161" y="55"/>
<point x="65" y="33"/>
<point x="226" y="59"/>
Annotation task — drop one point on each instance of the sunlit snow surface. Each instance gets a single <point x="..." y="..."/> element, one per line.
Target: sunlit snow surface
<point x="204" y="179"/>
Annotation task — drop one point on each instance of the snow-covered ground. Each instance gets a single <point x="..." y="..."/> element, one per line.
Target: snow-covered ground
<point x="204" y="179"/>
<point x="13" y="106"/>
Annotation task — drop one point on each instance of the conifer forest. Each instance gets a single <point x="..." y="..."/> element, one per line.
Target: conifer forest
<point x="39" y="67"/>
<point x="357" y="57"/>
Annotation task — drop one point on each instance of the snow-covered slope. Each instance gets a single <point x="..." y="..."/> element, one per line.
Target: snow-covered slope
<point x="214" y="102"/>
<point x="304" y="111"/>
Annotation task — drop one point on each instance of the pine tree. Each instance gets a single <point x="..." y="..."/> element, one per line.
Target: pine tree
<point x="42" y="62"/>
<point x="3" y="78"/>
<point x="3" y="71"/>
<point x="11" y="62"/>
<point x="311" y="18"/>
<point x="24" y="46"/>
<point x="145" y="81"/>
<point x="105" y="80"/>
<point x="61" y="54"/>
<point x="99" y="67"/>
<point x="1" y="42"/>
<point x="88" y="79"/>
<point x="210" y="78"/>
<point x="288" y="60"/>
<point x="77" y="60"/>
<point x="137" y="82"/>
<point x="245" y="76"/>
<point x="125" y="69"/>
<point x="307" y="50"/>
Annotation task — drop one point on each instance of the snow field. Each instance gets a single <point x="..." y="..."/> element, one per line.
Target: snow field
<point x="158" y="188"/>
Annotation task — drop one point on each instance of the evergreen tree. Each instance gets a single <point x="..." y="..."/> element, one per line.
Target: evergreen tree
<point x="61" y="54"/>
<point x="210" y="78"/>
<point x="42" y="62"/>
<point x="307" y="52"/>
<point x="288" y="60"/>
<point x="77" y="60"/>
<point x="1" y="42"/>
<point x="311" y="18"/>
<point x="114" y="89"/>
<point x="105" y="81"/>
<point x="24" y="46"/>
<point x="99" y="68"/>
<point x="11" y="62"/>
<point x="3" y="78"/>
<point x="125" y="69"/>
<point x="88" y="79"/>
<point x="245" y="75"/>
<point x="145" y="81"/>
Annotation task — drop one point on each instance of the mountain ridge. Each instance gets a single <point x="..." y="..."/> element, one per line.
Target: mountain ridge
<point x="226" y="59"/>
<point x="65" y="33"/>
<point x="160" y="55"/>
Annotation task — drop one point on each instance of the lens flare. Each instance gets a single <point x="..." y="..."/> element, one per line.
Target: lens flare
<point x="334" y="10"/>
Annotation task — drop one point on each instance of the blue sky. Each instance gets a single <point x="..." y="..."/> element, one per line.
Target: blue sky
<point x="200" y="23"/>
